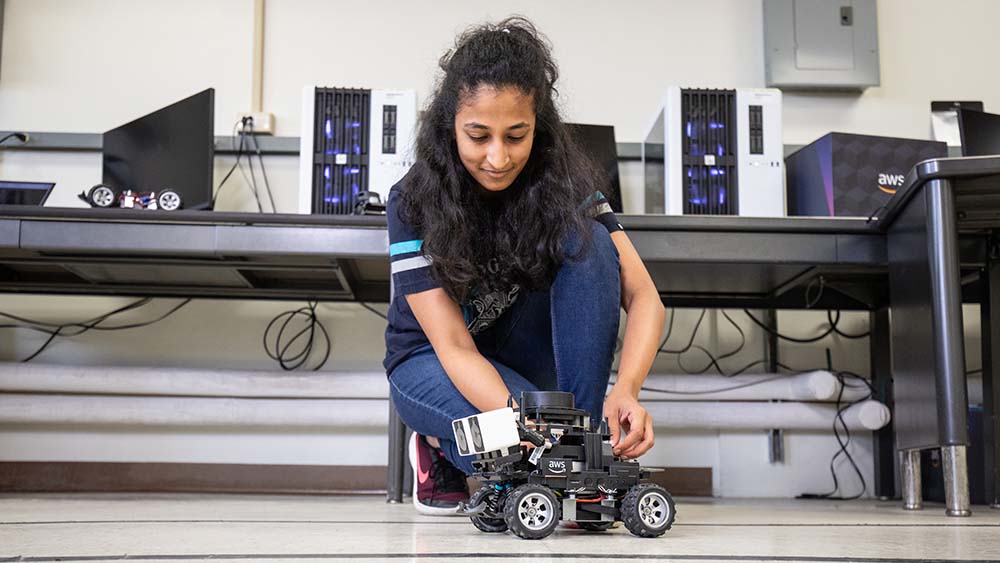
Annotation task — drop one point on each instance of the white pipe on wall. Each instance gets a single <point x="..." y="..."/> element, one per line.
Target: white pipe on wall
<point x="338" y="414"/>
<point x="810" y="386"/>
<point x="329" y="414"/>
<point x="29" y="378"/>
<point x="866" y="415"/>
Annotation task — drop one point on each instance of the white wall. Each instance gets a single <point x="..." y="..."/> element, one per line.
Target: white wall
<point x="90" y="65"/>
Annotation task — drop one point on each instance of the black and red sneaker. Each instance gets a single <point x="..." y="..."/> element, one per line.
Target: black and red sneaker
<point x="439" y="488"/>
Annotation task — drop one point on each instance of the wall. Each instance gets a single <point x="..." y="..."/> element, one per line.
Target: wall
<point x="90" y="65"/>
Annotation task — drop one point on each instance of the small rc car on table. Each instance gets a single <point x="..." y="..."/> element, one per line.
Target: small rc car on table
<point x="103" y="195"/>
<point x="571" y="473"/>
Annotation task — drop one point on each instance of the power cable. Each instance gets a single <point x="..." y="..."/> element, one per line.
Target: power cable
<point x="280" y="352"/>
<point x="92" y="324"/>
<point x="239" y="154"/>
<point x="260" y="157"/>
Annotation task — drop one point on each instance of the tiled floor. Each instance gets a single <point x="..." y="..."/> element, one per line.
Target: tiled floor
<point x="93" y="527"/>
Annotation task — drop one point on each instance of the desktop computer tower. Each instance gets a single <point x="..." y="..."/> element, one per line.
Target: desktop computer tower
<point x="847" y="175"/>
<point x="715" y="152"/>
<point x="354" y="143"/>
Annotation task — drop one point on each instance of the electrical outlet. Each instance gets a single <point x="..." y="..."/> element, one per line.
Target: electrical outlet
<point x="263" y="123"/>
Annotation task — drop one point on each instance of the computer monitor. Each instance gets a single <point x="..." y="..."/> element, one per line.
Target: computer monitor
<point x="24" y="193"/>
<point x="598" y="142"/>
<point x="171" y="148"/>
<point x="980" y="132"/>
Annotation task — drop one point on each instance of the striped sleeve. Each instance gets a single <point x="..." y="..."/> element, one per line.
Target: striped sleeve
<point x="410" y="268"/>
<point x="597" y="207"/>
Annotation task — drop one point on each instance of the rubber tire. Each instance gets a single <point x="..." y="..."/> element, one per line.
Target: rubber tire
<point x="93" y="203"/>
<point x="485" y="523"/>
<point x="630" y="511"/>
<point x="595" y="526"/>
<point x="514" y="523"/>
<point x="159" y="200"/>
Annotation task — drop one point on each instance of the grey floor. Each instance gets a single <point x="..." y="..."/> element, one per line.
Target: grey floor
<point x="105" y="527"/>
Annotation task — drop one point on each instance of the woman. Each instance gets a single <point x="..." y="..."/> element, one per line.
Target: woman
<point x="508" y="265"/>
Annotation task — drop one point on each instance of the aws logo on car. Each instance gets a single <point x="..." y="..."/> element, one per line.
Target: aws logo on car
<point x="889" y="183"/>
<point x="557" y="466"/>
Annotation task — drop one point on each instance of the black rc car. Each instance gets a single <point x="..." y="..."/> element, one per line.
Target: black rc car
<point x="570" y="474"/>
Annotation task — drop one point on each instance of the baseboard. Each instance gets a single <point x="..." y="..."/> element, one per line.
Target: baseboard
<point x="57" y="476"/>
<point x="54" y="476"/>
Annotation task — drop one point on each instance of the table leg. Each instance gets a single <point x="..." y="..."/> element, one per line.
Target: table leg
<point x="956" y="481"/>
<point x="884" y="456"/>
<point x="397" y="457"/>
<point x="946" y="303"/>
<point x="990" y="323"/>
<point x="910" y="465"/>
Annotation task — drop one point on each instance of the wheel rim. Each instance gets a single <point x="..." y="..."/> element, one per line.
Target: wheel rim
<point x="169" y="201"/>
<point x="535" y="511"/>
<point x="104" y="197"/>
<point x="654" y="510"/>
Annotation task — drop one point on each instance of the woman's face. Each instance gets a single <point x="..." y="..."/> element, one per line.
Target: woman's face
<point x="494" y="129"/>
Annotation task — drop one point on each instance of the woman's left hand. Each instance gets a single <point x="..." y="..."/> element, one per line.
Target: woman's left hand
<point x="625" y="414"/>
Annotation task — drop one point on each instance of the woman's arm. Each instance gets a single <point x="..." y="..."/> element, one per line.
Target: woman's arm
<point x="475" y="377"/>
<point x="643" y="329"/>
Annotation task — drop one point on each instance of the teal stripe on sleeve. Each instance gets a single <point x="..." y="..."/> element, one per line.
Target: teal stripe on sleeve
<point x="405" y="247"/>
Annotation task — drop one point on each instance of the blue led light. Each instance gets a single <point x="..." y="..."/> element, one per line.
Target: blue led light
<point x="333" y="199"/>
<point x="329" y="129"/>
<point x="714" y="125"/>
<point x="713" y="171"/>
<point x="355" y="124"/>
<point x="326" y="172"/>
<point x="719" y="149"/>
<point x="354" y="187"/>
<point x="688" y="129"/>
<point x="357" y="149"/>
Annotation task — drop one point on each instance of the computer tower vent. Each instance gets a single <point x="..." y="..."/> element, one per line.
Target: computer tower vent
<point x="709" y="152"/>
<point x="715" y="152"/>
<point x="340" y="149"/>
<point x="355" y="144"/>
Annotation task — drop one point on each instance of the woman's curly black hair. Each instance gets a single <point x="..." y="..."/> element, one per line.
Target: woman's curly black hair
<point x="486" y="242"/>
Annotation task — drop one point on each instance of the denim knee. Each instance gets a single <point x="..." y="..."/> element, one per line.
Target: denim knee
<point x="601" y="248"/>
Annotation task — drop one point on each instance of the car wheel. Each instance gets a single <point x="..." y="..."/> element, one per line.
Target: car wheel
<point x="493" y="522"/>
<point x="648" y="510"/>
<point x="532" y="511"/>
<point x="168" y="200"/>
<point x="101" y="195"/>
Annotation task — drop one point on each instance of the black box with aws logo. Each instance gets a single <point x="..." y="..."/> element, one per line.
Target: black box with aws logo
<point x="846" y="175"/>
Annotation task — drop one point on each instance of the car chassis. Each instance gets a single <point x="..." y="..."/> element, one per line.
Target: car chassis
<point x="570" y="474"/>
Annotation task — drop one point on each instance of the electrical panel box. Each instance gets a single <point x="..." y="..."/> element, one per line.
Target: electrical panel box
<point x="821" y="44"/>
<point x="355" y="143"/>
<point x="715" y="152"/>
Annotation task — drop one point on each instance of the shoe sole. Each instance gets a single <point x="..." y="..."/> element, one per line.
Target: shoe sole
<point x="421" y="507"/>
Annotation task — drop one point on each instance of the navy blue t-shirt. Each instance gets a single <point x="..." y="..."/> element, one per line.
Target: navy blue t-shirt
<point x="411" y="274"/>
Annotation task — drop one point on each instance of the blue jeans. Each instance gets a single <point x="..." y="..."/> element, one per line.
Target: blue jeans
<point x="561" y="339"/>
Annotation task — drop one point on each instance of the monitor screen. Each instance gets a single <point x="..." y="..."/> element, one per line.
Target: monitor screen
<point x="598" y="142"/>
<point x="24" y="193"/>
<point x="654" y="172"/>
<point x="169" y="148"/>
<point x="980" y="132"/>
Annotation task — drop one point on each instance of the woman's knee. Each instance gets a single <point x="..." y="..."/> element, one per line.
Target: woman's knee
<point x="425" y="398"/>
<point x="595" y="245"/>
